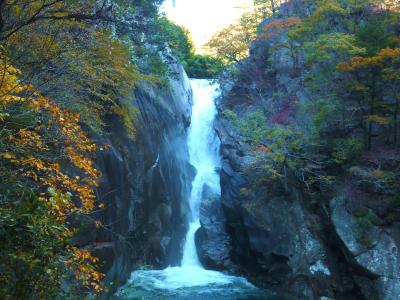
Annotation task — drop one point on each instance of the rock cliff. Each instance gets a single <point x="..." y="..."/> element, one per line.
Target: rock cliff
<point x="144" y="185"/>
<point x="338" y="245"/>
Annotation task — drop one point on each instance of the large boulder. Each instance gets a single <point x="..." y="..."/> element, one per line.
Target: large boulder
<point x="212" y="240"/>
<point x="371" y="250"/>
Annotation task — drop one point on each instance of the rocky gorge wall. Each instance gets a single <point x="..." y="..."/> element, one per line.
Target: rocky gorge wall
<point x="144" y="184"/>
<point x="270" y="230"/>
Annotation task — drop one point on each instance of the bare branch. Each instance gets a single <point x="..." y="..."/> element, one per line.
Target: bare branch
<point x="43" y="13"/>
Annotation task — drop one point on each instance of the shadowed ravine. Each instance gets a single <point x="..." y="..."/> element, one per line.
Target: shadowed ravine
<point x="191" y="280"/>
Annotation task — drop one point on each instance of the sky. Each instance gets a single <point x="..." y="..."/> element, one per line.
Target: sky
<point x="204" y="17"/>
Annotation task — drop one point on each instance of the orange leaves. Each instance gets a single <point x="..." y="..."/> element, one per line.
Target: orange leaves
<point x="275" y="27"/>
<point x="284" y="24"/>
<point x="81" y="162"/>
<point x="8" y="156"/>
<point x="263" y="149"/>
<point x="28" y="138"/>
<point x="344" y="67"/>
<point x="62" y="128"/>
<point x="49" y="149"/>
<point x="389" y="53"/>
<point x="378" y="60"/>
<point x="82" y="262"/>
<point x="362" y="62"/>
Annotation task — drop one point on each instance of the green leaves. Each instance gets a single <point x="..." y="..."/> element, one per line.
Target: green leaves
<point x="231" y="44"/>
<point x="332" y="47"/>
<point x="178" y="39"/>
<point x="346" y="150"/>
<point x="373" y="36"/>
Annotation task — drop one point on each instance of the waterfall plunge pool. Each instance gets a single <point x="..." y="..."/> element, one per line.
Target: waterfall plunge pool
<point x="191" y="280"/>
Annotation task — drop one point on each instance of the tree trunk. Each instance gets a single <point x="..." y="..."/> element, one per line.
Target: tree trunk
<point x="372" y="109"/>
<point x="369" y="138"/>
<point x="2" y="3"/>
<point x="395" y="113"/>
<point x="273" y="7"/>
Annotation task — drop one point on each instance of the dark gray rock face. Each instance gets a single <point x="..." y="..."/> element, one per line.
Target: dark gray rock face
<point x="273" y="238"/>
<point x="212" y="240"/>
<point x="145" y="184"/>
<point x="376" y="259"/>
<point x="277" y="237"/>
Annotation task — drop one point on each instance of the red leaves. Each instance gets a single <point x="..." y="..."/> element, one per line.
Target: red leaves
<point x="275" y="27"/>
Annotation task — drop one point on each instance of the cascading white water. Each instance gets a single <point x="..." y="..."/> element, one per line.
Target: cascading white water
<point x="203" y="146"/>
<point x="191" y="278"/>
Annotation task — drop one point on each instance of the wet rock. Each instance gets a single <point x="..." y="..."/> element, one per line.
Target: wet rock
<point x="105" y="253"/>
<point x="212" y="240"/>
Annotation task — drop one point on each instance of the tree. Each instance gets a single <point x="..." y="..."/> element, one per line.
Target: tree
<point x="15" y="15"/>
<point x="178" y="39"/>
<point x="370" y="74"/>
<point x="340" y="32"/>
<point x="231" y="44"/>
<point x="42" y="184"/>
<point x="46" y="158"/>
<point x="267" y="6"/>
<point x="52" y="55"/>
<point x="204" y="66"/>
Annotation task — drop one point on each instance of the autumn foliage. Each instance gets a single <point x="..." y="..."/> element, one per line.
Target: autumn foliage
<point x="276" y="27"/>
<point x="46" y="149"/>
<point x="384" y="56"/>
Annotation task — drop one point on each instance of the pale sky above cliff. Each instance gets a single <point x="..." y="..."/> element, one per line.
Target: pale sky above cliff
<point x="204" y="17"/>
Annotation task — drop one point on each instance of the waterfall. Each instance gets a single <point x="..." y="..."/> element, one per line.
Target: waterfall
<point x="190" y="278"/>
<point x="203" y="145"/>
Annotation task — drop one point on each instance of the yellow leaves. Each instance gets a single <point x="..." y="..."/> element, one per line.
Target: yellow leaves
<point x="10" y="87"/>
<point x="28" y="138"/>
<point x="81" y="162"/>
<point x="128" y="113"/>
<point x="8" y="155"/>
<point x="55" y="129"/>
<point x="98" y="224"/>
<point x="54" y="153"/>
<point x="389" y="53"/>
<point x="4" y="116"/>
<point x="391" y="74"/>
<point x="81" y="262"/>
<point x="377" y="119"/>
<point x="231" y="43"/>
<point x="105" y="67"/>
<point x="383" y="56"/>
<point x="279" y="157"/>
<point x="377" y="173"/>
<point x="328" y="9"/>
<point x="359" y="87"/>
<point x="359" y="62"/>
